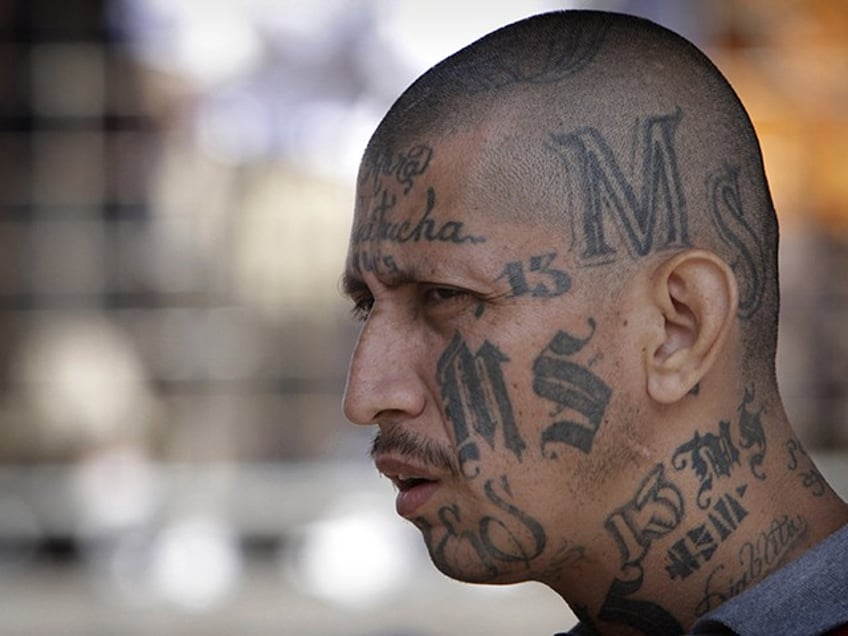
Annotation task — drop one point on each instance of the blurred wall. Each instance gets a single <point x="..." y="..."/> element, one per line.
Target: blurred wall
<point x="154" y="291"/>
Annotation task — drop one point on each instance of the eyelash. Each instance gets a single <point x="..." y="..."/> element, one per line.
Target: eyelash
<point x="452" y="294"/>
<point x="362" y="306"/>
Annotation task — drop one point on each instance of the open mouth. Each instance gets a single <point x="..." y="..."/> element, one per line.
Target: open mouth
<point x="405" y="484"/>
<point x="414" y="485"/>
<point x="413" y="492"/>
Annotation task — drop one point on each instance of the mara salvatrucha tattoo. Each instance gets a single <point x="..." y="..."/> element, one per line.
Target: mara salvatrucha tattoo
<point x="715" y="456"/>
<point x="476" y="400"/>
<point x="579" y="396"/>
<point x="398" y="168"/>
<point x="734" y="229"/>
<point x="642" y="214"/>
<point x="381" y="228"/>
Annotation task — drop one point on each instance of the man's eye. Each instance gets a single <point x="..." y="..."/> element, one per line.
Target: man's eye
<point x="443" y="294"/>
<point x="362" y="307"/>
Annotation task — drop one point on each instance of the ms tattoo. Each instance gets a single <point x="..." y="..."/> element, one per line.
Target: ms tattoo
<point x="580" y="397"/>
<point x="476" y="400"/>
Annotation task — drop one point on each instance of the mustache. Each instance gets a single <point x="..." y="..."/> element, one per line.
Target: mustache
<point x="414" y="448"/>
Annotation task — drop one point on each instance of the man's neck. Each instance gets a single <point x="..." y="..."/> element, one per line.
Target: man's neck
<point x="696" y="532"/>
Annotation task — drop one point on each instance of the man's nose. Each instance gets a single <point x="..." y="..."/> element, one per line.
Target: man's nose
<point x="383" y="380"/>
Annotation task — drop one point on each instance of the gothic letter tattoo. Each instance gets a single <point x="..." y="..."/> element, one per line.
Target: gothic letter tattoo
<point x="580" y="396"/>
<point x="735" y="230"/>
<point x="648" y="212"/>
<point x="752" y="433"/>
<point x="475" y="398"/>
<point x="711" y="456"/>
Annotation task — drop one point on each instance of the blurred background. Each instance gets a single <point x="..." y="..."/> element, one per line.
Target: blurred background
<point x="176" y="185"/>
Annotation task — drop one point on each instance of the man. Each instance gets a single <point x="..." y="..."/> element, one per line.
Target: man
<point x="564" y="253"/>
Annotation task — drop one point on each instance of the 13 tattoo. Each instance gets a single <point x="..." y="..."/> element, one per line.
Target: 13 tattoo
<point x="656" y="510"/>
<point x="543" y="280"/>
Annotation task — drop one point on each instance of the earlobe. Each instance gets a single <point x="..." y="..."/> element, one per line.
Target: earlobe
<point x="696" y="293"/>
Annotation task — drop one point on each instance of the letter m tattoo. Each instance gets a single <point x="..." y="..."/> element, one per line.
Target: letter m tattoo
<point x="475" y="397"/>
<point x="580" y="396"/>
<point x="646" y="218"/>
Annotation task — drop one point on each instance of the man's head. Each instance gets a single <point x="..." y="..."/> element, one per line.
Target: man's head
<point x="563" y="248"/>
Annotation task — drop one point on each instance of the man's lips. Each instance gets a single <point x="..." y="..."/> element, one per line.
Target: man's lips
<point x="415" y="484"/>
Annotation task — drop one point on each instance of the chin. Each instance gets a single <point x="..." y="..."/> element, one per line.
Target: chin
<point x="470" y="572"/>
<point x="483" y="549"/>
<point x="466" y="562"/>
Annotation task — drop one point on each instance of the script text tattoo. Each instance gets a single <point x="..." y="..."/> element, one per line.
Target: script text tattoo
<point x="401" y="167"/>
<point x="757" y="558"/>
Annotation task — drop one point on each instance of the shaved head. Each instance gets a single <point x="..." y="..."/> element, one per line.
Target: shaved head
<point x="619" y="131"/>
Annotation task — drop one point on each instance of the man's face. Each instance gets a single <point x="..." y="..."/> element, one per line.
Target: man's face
<point x="483" y="364"/>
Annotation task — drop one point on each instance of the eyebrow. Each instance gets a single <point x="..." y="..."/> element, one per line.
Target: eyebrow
<point x="352" y="285"/>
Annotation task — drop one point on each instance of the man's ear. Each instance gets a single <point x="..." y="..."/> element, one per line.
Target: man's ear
<point x="697" y="295"/>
